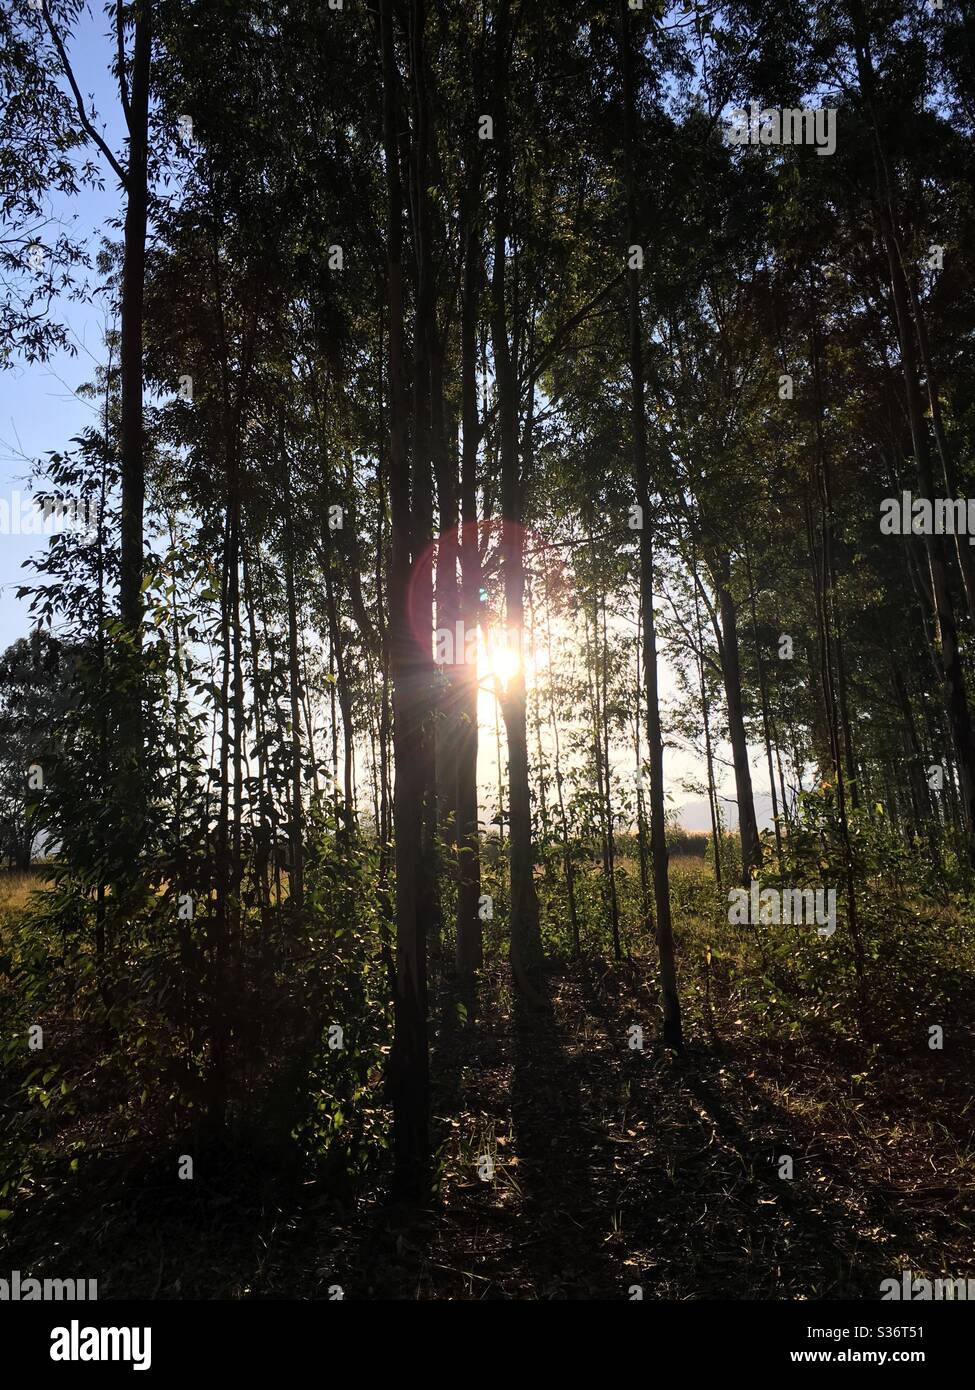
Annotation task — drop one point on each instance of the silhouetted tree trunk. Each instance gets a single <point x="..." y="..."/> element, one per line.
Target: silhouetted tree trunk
<point x="526" y="945"/>
<point x="568" y="868"/>
<point x="424" y="334"/>
<point x="751" y="850"/>
<point x="296" y="892"/>
<point x="641" y="814"/>
<point x="469" y="935"/>
<point x="409" y="1063"/>
<point x="715" y="810"/>
<point x="132" y="441"/>
<point x="672" y="1030"/>
<point x="763" y="693"/>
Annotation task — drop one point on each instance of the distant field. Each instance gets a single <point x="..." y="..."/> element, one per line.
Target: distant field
<point x="16" y="887"/>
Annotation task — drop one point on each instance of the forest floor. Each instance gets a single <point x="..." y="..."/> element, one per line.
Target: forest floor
<point x="612" y="1168"/>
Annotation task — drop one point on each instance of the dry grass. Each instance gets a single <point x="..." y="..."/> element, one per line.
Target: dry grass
<point x="16" y="888"/>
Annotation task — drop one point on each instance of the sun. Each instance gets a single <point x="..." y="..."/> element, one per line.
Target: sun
<point x="504" y="665"/>
<point x="498" y="659"/>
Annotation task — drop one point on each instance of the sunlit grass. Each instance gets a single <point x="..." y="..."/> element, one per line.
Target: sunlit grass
<point x="16" y="887"/>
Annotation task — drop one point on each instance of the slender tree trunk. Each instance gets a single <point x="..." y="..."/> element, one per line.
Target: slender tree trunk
<point x="409" y="1064"/>
<point x="468" y="932"/>
<point x="132" y="438"/>
<point x="716" y="833"/>
<point x="343" y="687"/>
<point x="382" y="628"/>
<point x="917" y="782"/>
<point x="309" y="719"/>
<point x="262" y="830"/>
<point x="526" y="944"/>
<point x="641" y="814"/>
<point x="220" y="922"/>
<point x="614" y="906"/>
<point x="101" y="914"/>
<point x="424" y="332"/>
<point x="567" y="864"/>
<point x="672" y="1030"/>
<point x="821" y="573"/>
<point x="763" y="692"/>
<point x="963" y="552"/>
<point x="595" y="674"/>
<point x="296" y="837"/>
<point x="751" y="850"/>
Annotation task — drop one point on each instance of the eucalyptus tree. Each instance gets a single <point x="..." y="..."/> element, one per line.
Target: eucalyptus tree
<point x="133" y="75"/>
<point x="672" y="1027"/>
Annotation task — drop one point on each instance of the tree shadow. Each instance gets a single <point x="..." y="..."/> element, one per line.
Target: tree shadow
<point x="725" y="1220"/>
<point x="564" y="1161"/>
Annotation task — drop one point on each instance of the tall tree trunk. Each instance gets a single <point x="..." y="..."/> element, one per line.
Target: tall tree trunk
<point x="672" y="1029"/>
<point x="596" y="677"/>
<point x="751" y="850"/>
<point x="344" y="689"/>
<point x="409" y="1063"/>
<point x="424" y="333"/>
<point x="763" y="692"/>
<point x="261" y="833"/>
<point x="219" y="926"/>
<point x="468" y="943"/>
<point x="568" y="867"/>
<point x="963" y="553"/>
<point x="296" y="894"/>
<point x="821" y="580"/>
<point x="917" y="782"/>
<point x="614" y="906"/>
<point x="641" y="814"/>
<point x="716" y="832"/>
<point x="132" y="439"/>
<point x="526" y="944"/>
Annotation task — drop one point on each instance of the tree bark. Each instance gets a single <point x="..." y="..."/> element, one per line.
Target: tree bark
<point x="409" y="1063"/>
<point x="670" y="999"/>
<point x="296" y="878"/>
<point x="751" y="850"/>
<point x="132" y="441"/>
<point x="526" y="944"/>
<point x="468" y="943"/>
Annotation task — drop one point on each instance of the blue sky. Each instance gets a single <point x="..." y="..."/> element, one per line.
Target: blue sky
<point x="39" y="411"/>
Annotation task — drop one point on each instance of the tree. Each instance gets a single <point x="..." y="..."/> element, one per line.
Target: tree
<point x="35" y="677"/>
<point x="672" y="1032"/>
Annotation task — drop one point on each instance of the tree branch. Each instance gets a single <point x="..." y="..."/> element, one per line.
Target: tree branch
<point x="123" y="85"/>
<point x="558" y="337"/>
<point x="86" y="124"/>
